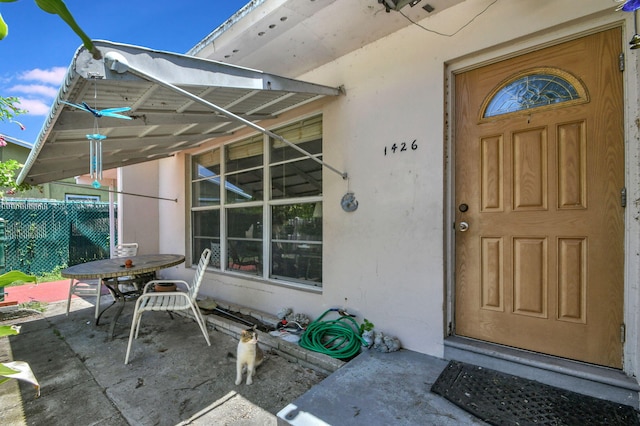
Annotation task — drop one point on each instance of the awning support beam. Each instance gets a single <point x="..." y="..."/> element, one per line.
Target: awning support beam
<point x="113" y="191"/>
<point x="117" y="63"/>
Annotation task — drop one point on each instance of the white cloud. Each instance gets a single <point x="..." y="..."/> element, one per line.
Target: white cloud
<point x="34" y="106"/>
<point x="35" y="89"/>
<point x="39" y="94"/>
<point x="53" y="75"/>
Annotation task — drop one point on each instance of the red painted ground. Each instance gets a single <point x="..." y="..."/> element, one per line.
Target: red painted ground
<point x="53" y="291"/>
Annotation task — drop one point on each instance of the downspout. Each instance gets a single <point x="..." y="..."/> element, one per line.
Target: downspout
<point x="112" y="220"/>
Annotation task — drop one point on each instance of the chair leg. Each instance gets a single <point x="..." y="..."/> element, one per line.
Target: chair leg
<point x="200" y="320"/>
<point x="135" y="325"/>
<point x="97" y="314"/>
<point x="139" y="320"/>
<point x="70" y="294"/>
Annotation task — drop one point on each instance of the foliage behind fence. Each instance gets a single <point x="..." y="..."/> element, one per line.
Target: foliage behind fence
<point x="41" y="235"/>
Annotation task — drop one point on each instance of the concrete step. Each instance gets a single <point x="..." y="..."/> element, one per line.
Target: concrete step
<point x="600" y="382"/>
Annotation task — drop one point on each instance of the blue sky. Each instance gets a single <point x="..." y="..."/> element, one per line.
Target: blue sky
<point x="39" y="47"/>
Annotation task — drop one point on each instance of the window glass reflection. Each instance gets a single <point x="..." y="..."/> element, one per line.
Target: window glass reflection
<point x="245" y="186"/>
<point x="301" y="178"/>
<point x="244" y="240"/>
<point x="205" y="172"/>
<point x="297" y="242"/>
<point x="206" y="233"/>
<point x="244" y="155"/>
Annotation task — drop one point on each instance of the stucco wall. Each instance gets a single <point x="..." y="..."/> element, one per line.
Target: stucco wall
<point x="387" y="260"/>
<point x="138" y="217"/>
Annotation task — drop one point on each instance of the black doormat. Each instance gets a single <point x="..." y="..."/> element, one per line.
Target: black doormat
<point x="503" y="399"/>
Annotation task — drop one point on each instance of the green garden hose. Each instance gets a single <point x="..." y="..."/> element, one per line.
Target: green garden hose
<point x="338" y="338"/>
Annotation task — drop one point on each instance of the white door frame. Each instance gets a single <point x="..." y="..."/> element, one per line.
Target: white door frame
<point x="631" y="79"/>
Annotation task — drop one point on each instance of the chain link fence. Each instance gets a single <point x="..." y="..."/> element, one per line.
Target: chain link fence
<point x="42" y="235"/>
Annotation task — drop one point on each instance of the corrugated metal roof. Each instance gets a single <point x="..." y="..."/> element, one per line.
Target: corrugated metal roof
<point x="163" y="121"/>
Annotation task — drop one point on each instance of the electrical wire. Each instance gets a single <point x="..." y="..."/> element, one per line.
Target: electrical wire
<point x="338" y="338"/>
<point x="458" y="30"/>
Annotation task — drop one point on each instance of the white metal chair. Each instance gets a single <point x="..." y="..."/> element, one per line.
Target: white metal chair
<point x="94" y="287"/>
<point x="126" y="250"/>
<point x="215" y="254"/>
<point x="85" y="288"/>
<point x="170" y="301"/>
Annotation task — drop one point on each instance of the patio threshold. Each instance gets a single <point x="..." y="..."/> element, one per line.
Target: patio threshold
<point x="600" y="382"/>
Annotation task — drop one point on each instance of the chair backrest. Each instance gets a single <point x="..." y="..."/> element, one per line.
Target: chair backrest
<point x="215" y="254"/>
<point x="199" y="275"/>
<point x="125" y="250"/>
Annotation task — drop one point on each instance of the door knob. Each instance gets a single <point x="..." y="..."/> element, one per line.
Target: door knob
<point x="463" y="226"/>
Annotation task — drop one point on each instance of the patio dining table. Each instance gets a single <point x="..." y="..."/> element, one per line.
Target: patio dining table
<point x="107" y="269"/>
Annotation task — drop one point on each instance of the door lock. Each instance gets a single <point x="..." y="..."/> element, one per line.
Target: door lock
<point x="463" y="226"/>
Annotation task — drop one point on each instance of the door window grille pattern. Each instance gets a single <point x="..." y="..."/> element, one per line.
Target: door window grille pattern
<point x="540" y="88"/>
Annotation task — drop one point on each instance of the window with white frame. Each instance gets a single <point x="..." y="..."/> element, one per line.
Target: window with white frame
<point x="267" y="222"/>
<point x="78" y="197"/>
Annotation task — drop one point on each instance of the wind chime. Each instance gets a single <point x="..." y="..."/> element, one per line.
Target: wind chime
<point x="95" y="158"/>
<point x="96" y="138"/>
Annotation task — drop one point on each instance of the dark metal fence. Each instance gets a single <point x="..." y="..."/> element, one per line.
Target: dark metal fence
<point x="42" y="235"/>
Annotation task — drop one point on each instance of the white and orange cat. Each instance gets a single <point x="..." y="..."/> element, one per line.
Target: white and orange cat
<point x="249" y="355"/>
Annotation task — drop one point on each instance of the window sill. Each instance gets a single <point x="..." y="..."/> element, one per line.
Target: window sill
<point x="271" y="281"/>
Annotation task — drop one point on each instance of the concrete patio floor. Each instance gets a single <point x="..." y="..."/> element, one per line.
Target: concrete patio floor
<point x="174" y="378"/>
<point x="172" y="375"/>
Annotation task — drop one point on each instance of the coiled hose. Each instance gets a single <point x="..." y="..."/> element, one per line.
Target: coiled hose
<point x="338" y="338"/>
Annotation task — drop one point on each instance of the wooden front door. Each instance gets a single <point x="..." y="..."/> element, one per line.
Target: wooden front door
<point x="539" y="170"/>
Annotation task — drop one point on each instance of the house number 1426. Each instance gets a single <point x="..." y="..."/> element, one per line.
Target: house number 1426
<point x="401" y="147"/>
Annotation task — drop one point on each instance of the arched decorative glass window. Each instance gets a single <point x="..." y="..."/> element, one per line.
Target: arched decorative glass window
<point x="534" y="89"/>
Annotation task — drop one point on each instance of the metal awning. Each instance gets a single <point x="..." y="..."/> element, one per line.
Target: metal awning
<point x="171" y="98"/>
